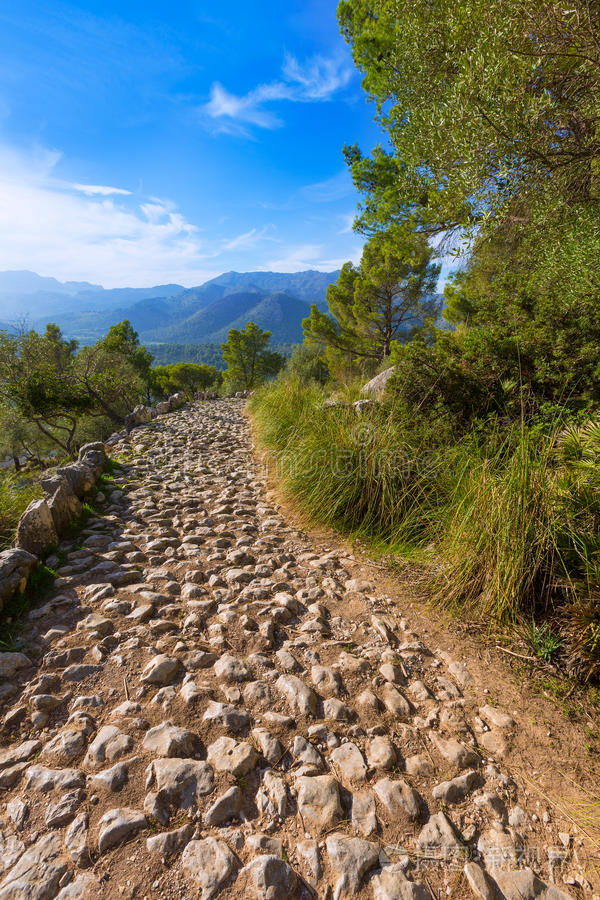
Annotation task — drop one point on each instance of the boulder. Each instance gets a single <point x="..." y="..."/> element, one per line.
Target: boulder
<point x="177" y="400"/>
<point x="94" y="456"/>
<point x="35" y="531"/>
<point x="376" y="386"/>
<point x="80" y="476"/>
<point x="64" y="505"/>
<point x="15" y="567"/>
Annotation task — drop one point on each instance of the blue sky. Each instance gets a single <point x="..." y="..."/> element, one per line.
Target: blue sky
<point x="149" y="142"/>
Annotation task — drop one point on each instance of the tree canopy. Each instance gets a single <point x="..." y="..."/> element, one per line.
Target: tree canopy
<point x="249" y="361"/>
<point x="384" y="299"/>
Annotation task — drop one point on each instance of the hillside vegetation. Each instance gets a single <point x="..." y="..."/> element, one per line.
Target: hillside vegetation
<point x="479" y="464"/>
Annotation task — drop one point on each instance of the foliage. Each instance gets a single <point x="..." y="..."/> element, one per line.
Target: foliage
<point x="386" y="298"/>
<point x="51" y="393"/>
<point x="486" y="102"/>
<point x="186" y="377"/>
<point x="543" y="640"/>
<point x="495" y="519"/>
<point x="307" y="363"/>
<point x="208" y="354"/>
<point x="16" y="493"/>
<point x="249" y="361"/>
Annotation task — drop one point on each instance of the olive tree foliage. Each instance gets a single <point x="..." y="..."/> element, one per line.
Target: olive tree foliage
<point x="54" y="390"/>
<point x="487" y="103"/>
<point x="186" y="377"/>
<point x="492" y="111"/>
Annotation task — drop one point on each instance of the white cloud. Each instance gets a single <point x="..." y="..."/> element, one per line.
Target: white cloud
<point x="52" y="227"/>
<point x="103" y="190"/>
<point x="249" y="239"/>
<point x="317" y="80"/>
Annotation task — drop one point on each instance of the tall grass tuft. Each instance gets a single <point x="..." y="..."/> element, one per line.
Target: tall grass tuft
<point x="16" y="493"/>
<point x="506" y="526"/>
<point x="498" y="538"/>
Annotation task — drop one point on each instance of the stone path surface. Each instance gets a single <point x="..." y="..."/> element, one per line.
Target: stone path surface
<point x="207" y="707"/>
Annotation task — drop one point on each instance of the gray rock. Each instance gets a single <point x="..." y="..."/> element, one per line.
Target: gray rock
<point x="327" y="681"/>
<point x="438" y="837"/>
<point x="457" y="789"/>
<point x="349" y="761"/>
<point x="319" y="802"/>
<point x="230" y="669"/>
<point x="228" y="755"/>
<point x="480" y="882"/>
<point x="160" y="670"/>
<point x="170" y="740"/>
<point x="112" y="779"/>
<point x="64" y="506"/>
<point x="224" y="808"/>
<point x="268" y="745"/>
<point x="395" y="702"/>
<point x="18" y="753"/>
<point x="177" y="784"/>
<point x="230" y="717"/>
<point x="376" y="386"/>
<point x="495" y="717"/>
<point x="392" y="884"/>
<point x="38" y="873"/>
<point x="117" y="825"/>
<point x="350" y="858"/>
<point x="364" y="813"/>
<point x="76" y="840"/>
<point x="35" y="531"/>
<point x="207" y="865"/>
<point x="15" y="568"/>
<point x="523" y="884"/>
<point x="399" y="798"/>
<point x="170" y="841"/>
<point x="270" y="878"/>
<point x="300" y="698"/>
<point x="40" y="778"/>
<point x="85" y="886"/>
<point x="455" y="753"/>
<point x="381" y="753"/>
<point x="11" y="663"/>
<point x="109" y="744"/>
<point x="64" y="810"/>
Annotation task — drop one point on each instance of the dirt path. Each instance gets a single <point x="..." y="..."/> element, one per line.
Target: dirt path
<point x="211" y="704"/>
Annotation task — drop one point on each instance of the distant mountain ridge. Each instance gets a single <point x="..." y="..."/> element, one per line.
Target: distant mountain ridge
<point x="276" y="301"/>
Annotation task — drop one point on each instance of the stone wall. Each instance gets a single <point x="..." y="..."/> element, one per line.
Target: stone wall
<point x="64" y="490"/>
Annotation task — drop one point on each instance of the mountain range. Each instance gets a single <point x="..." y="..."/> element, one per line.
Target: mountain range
<point x="167" y="313"/>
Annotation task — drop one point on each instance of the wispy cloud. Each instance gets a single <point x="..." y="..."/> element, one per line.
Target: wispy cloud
<point x="249" y="239"/>
<point x="335" y="188"/>
<point x="318" y="79"/>
<point x="347" y="220"/>
<point x="100" y="189"/>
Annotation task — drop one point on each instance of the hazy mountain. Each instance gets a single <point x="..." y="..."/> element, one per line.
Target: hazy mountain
<point x="24" y="282"/>
<point x="168" y="313"/>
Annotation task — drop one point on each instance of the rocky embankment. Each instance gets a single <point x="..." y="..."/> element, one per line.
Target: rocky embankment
<point x="208" y="707"/>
